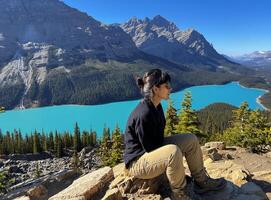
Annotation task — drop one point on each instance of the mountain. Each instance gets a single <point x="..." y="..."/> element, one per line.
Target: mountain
<point x="162" y="38"/>
<point x="52" y="54"/>
<point x="65" y="56"/>
<point x="256" y="59"/>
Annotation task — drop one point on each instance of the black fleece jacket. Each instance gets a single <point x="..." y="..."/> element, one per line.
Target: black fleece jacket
<point x="144" y="130"/>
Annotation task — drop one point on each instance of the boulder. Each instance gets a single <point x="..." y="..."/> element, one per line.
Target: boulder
<point x="86" y="187"/>
<point x="217" y="145"/>
<point x="230" y="170"/>
<point x="39" y="192"/>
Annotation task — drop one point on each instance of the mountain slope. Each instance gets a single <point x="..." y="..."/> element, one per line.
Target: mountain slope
<point x="64" y="56"/>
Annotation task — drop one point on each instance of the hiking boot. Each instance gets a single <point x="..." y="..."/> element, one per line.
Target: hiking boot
<point x="180" y="195"/>
<point x="209" y="184"/>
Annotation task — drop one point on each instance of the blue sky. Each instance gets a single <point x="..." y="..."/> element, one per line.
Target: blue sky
<point x="233" y="26"/>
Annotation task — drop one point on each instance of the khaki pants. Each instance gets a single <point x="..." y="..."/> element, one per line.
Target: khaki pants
<point x="169" y="159"/>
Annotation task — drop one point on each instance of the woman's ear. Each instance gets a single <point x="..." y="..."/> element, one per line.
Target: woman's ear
<point x="155" y="89"/>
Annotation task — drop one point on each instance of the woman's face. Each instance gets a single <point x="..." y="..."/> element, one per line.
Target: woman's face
<point x="163" y="91"/>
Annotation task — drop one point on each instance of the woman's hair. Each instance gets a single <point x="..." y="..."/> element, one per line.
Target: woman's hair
<point x="154" y="77"/>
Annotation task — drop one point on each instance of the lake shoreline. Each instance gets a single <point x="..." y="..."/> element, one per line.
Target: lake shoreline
<point x="258" y="99"/>
<point x="125" y="100"/>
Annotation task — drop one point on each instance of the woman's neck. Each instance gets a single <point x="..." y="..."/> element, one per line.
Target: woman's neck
<point x="156" y="101"/>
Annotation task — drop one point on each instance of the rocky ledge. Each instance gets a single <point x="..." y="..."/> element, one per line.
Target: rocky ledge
<point x="248" y="178"/>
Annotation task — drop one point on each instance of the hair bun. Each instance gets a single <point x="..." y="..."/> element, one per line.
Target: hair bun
<point x="140" y="82"/>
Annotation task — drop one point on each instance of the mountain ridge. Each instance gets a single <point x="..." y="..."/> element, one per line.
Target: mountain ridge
<point x="64" y="56"/>
<point x="183" y="47"/>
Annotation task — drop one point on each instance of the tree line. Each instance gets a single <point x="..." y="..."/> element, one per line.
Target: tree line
<point x="55" y="142"/>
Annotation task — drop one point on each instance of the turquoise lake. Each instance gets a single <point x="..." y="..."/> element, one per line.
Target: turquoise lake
<point x="95" y="117"/>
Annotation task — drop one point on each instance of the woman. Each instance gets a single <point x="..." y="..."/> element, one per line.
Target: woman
<point x="148" y="154"/>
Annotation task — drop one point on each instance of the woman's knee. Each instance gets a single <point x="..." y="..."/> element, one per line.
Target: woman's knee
<point x="173" y="151"/>
<point x="192" y="139"/>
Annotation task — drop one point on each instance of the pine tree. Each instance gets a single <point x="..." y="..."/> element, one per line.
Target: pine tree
<point x="75" y="161"/>
<point x="37" y="172"/>
<point x="56" y="143"/>
<point x="51" y="142"/>
<point x="44" y="142"/>
<point x="76" y="138"/>
<point x="84" y="139"/>
<point x="171" y="120"/>
<point x="5" y="182"/>
<point x="12" y="143"/>
<point x="237" y="132"/>
<point x="20" y="142"/>
<point x="36" y="144"/>
<point x="188" y="120"/>
<point x="93" y="138"/>
<point x="2" y="183"/>
<point x="59" y="152"/>
<point x="105" y="147"/>
<point x="16" y="141"/>
<point x="117" y="147"/>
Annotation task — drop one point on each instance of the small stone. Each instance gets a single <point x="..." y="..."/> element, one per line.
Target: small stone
<point x="215" y="156"/>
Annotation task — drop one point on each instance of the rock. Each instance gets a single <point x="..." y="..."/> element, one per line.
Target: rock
<point x="87" y="186"/>
<point x="112" y="194"/>
<point x="119" y="169"/>
<point x="213" y="154"/>
<point x="228" y="156"/>
<point x="14" y="169"/>
<point x="65" y="174"/>
<point x="22" y="198"/>
<point x="39" y="192"/>
<point x="230" y="170"/>
<point x="217" y="145"/>
<point x="253" y="189"/>
<point x="140" y="186"/>
<point x="268" y="154"/>
<point x="146" y="197"/>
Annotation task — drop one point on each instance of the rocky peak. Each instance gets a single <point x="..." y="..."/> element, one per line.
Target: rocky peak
<point x="134" y="21"/>
<point x="161" y="22"/>
<point x="196" y="42"/>
<point x="163" y="38"/>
